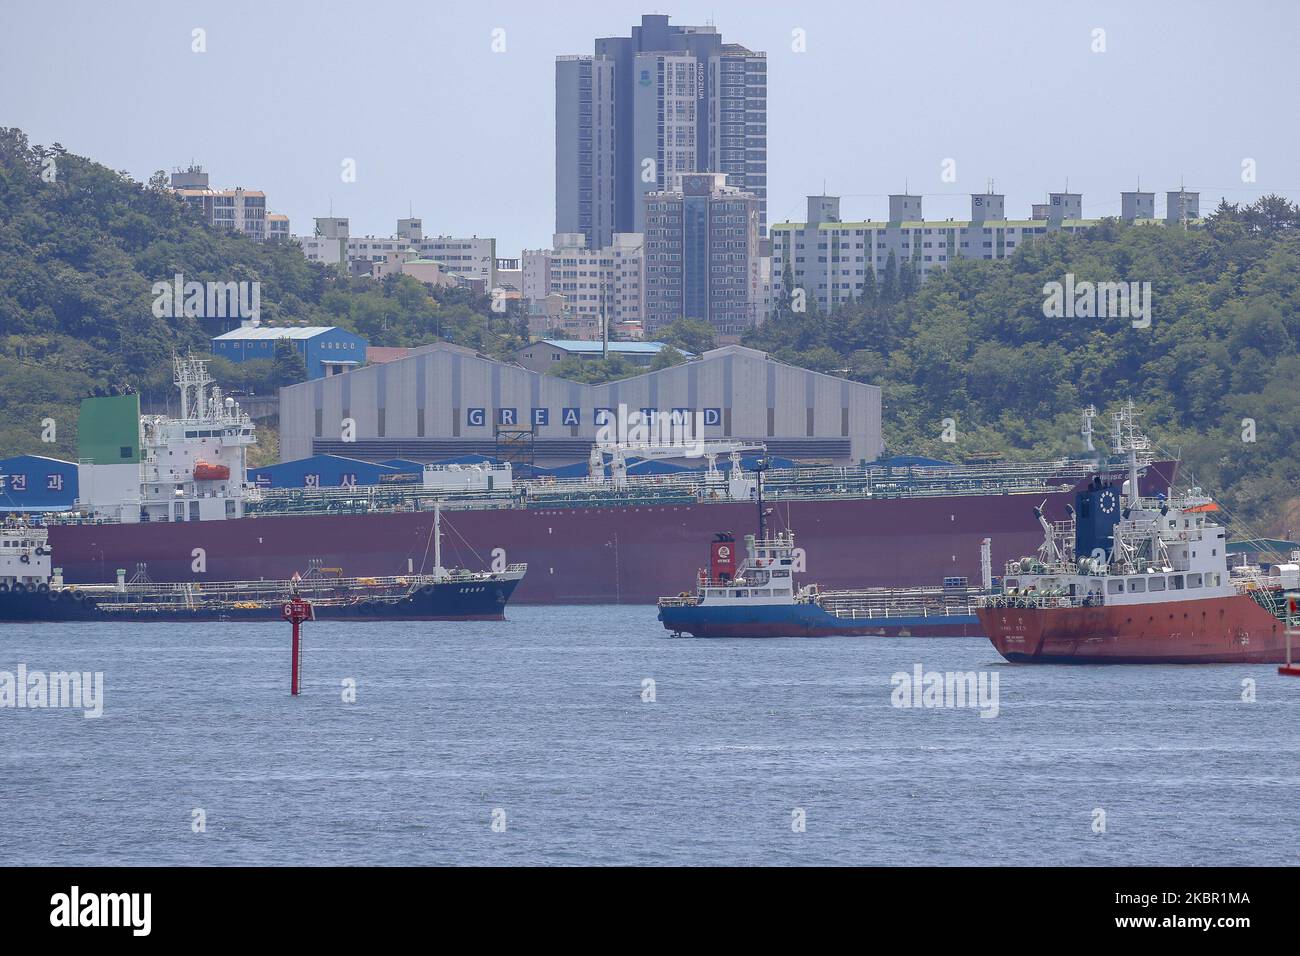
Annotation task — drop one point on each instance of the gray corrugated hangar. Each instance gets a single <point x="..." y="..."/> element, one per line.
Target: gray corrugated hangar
<point x="446" y="401"/>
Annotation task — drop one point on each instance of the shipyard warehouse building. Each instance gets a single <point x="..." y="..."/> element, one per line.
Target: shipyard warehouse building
<point x="445" y="401"/>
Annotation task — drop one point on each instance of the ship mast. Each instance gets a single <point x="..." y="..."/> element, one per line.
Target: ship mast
<point x="760" y="466"/>
<point x="192" y="378"/>
<point x="437" y="539"/>
<point x="1089" y="414"/>
<point x="1126" y="439"/>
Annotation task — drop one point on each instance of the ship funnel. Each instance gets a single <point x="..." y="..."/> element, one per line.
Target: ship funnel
<point x="722" y="558"/>
<point x="1097" y="512"/>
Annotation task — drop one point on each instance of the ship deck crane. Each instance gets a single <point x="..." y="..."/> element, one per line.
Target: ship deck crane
<point x="618" y="455"/>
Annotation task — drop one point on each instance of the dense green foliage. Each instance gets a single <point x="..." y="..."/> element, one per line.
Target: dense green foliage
<point x="688" y="335"/>
<point x="595" y="371"/>
<point x="972" y="344"/>
<point x="288" y="366"/>
<point x="81" y="247"/>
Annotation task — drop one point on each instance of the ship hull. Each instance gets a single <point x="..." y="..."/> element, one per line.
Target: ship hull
<point x="804" y="620"/>
<point x="1229" y="630"/>
<point x="625" y="554"/>
<point x="446" y="601"/>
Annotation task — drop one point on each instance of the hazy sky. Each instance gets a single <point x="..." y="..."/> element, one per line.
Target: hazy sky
<point x="884" y="93"/>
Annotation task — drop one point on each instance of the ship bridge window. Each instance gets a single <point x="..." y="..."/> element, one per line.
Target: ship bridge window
<point x="780" y="574"/>
<point x="1193" y="580"/>
<point x="1175" y="582"/>
<point x="1157" y="584"/>
<point x="1115" y="587"/>
<point x="191" y="434"/>
<point x="1136" y="585"/>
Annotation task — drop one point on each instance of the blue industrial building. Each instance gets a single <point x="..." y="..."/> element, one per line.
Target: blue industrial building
<point x="327" y="349"/>
<point x="326" y="471"/>
<point x="34" y="483"/>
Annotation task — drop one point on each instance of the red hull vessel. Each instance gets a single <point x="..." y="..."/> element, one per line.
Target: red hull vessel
<point x="1228" y="630"/>
<point x="590" y="555"/>
<point x="1134" y="579"/>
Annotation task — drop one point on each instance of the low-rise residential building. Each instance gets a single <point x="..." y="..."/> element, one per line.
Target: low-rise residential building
<point x="277" y="227"/>
<point x="238" y="209"/>
<point x="599" y="286"/>
<point x="474" y="258"/>
<point x="543" y="355"/>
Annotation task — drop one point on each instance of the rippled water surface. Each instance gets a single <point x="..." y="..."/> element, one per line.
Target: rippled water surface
<point x="540" y="723"/>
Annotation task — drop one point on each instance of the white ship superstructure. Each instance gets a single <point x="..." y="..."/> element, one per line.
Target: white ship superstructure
<point x="191" y="468"/>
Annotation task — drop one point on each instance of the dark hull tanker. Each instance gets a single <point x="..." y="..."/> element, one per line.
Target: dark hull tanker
<point x="810" y="620"/>
<point x="597" y="553"/>
<point x="468" y="598"/>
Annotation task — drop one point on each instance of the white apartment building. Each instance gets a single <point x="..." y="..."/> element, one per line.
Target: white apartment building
<point x="474" y="258"/>
<point x="239" y="210"/>
<point x="598" y="285"/>
<point x="829" y="258"/>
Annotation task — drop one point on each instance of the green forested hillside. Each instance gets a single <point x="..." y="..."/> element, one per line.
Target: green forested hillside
<point x="972" y="344"/>
<point x="79" y="253"/>
<point x="79" y="256"/>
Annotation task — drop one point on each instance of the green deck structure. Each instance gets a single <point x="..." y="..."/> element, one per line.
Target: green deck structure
<point x="108" y="430"/>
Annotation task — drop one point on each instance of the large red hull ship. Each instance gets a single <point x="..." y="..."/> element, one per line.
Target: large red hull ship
<point x="580" y="555"/>
<point x="1230" y="630"/>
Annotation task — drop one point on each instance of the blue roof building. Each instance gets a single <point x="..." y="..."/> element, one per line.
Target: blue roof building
<point x="34" y="483"/>
<point x="325" y="471"/>
<point x="327" y="349"/>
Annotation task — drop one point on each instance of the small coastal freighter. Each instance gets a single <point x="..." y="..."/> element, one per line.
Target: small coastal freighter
<point x="1134" y="580"/>
<point x="32" y="591"/>
<point x="757" y="597"/>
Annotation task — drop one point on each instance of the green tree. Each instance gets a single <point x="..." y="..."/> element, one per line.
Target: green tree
<point x="290" y="367"/>
<point x="688" y="335"/>
<point x="666" y="357"/>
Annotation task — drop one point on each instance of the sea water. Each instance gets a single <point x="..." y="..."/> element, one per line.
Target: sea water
<point x="589" y="735"/>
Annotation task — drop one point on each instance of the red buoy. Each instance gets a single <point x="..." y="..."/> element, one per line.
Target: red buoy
<point x="297" y="611"/>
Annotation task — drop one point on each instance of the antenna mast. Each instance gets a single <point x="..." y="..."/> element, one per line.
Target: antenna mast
<point x="1089" y="414"/>
<point x="1127" y="439"/>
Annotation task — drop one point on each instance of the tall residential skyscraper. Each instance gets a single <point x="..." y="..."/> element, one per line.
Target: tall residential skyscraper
<point x="649" y="107"/>
<point x="584" y="148"/>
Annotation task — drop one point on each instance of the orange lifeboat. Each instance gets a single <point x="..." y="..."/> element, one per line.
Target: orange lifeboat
<point x="206" y="471"/>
